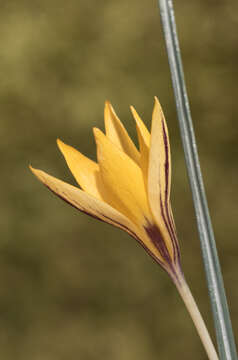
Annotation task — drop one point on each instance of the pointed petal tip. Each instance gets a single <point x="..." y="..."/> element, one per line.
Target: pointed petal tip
<point x="33" y="170"/>
<point x="156" y="101"/>
<point x="157" y="104"/>
<point x="139" y="123"/>
<point x="157" y="110"/>
<point x="135" y="115"/>
<point x="59" y="142"/>
<point x="64" y="148"/>
<point x="109" y="113"/>
<point x="107" y="103"/>
<point x="133" y="110"/>
<point x="61" y="145"/>
<point x="96" y="131"/>
<point x="98" y="134"/>
<point x="38" y="173"/>
<point x="108" y="108"/>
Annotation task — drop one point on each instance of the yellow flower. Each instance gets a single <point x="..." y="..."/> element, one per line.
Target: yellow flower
<point x="131" y="190"/>
<point x="126" y="187"/>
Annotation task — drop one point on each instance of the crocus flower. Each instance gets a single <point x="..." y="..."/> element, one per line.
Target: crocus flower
<point x="126" y="188"/>
<point x="130" y="189"/>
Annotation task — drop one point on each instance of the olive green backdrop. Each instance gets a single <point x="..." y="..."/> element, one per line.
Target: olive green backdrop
<point x="72" y="287"/>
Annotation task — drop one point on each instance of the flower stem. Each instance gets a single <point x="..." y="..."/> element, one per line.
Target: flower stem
<point x="196" y="316"/>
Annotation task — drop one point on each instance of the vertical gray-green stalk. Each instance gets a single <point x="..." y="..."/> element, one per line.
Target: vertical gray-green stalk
<point x="225" y="338"/>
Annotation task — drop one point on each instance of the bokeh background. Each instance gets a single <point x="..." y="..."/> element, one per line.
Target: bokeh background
<point x="72" y="287"/>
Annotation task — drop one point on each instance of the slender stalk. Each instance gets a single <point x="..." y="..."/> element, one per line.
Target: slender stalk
<point x="224" y="333"/>
<point x="196" y="316"/>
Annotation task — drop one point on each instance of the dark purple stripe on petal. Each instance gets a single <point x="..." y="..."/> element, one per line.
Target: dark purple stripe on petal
<point x="76" y="206"/>
<point x="166" y="164"/>
<point x="157" y="239"/>
<point x="171" y="271"/>
<point x="167" y="171"/>
<point x="171" y="232"/>
<point x="164" y="207"/>
<point x="174" y="272"/>
<point x="169" y="223"/>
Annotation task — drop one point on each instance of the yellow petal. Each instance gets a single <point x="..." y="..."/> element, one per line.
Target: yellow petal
<point x="122" y="179"/>
<point x="117" y="133"/>
<point x="96" y="208"/>
<point x="85" y="202"/>
<point x="159" y="176"/>
<point x="160" y="173"/>
<point x="85" y="171"/>
<point x="144" y="143"/>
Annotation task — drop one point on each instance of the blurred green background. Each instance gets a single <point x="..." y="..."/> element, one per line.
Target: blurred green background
<point x="72" y="287"/>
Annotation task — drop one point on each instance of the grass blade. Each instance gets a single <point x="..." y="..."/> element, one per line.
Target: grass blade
<point x="224" y="333"/>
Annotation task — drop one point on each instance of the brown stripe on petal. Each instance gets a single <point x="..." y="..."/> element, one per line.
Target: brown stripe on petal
<point x="166" y="164"/>
<point x="152" y="231"/>
<point x="164" y="207"/>
<point x="71" y="204"/>
<point x="171" y="231"/>
<point x="81" y="209"/>
<point x="169" y="223"/>
<point x="149" y="230"/>
<point x="167" y="170"/>
<point x="117" y="223"/>
<point x="155" y="258"/>
<point x="157" y="239"/>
